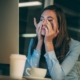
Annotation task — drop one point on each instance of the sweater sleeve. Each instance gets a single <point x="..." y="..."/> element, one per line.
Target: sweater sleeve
<point x="32" y="60"/>
<point x="59" y="71"/>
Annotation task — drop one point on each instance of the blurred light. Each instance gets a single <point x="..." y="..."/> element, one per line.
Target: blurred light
<point x="28" y="35"/>
<point x="74" y="29"/>
<point x="25" y="4"/>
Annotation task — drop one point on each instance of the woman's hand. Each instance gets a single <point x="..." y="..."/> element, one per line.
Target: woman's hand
<point x="51" y="33"/>
<point x="38" y="31"/>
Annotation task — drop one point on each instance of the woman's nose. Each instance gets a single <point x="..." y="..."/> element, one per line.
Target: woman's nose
<point x="44" y="22"/>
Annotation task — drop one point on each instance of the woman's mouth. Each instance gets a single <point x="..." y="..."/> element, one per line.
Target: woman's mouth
<point x="42" y="28"/>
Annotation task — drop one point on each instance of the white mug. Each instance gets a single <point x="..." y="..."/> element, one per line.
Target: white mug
<point x="36" y="72"/>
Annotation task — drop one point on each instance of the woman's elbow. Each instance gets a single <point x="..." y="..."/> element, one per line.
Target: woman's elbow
<point x="57" y="77"/>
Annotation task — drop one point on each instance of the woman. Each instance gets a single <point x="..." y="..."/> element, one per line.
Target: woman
<point x="52" y="48"/>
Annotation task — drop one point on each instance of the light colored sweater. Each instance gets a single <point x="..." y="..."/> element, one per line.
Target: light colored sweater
<point x="64" y="71"/>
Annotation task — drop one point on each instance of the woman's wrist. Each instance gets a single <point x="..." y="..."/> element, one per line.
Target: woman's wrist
<point x="49" y="46"/>
<point x="39" y="45"/>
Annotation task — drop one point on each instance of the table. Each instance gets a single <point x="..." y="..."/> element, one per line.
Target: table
<point x="24" y="78"/>
<point x="8" y="78"/>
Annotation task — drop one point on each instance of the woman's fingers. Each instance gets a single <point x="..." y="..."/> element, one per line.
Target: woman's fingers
<point x="39" y="30"/>
<point x="46" y="31"/>
<point x="51" y="29"/>
<point x="38" y="27"/>
<point x="35" y="22"/>
<point x="49" y="26"/>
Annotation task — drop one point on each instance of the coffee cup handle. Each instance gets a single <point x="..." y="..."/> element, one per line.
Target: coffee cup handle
<point x="28" y="71"/>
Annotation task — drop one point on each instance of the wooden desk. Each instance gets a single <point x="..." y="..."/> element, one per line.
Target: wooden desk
<point x="8" y="78"/>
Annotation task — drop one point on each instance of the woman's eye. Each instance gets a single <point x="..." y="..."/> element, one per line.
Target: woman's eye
<point x="50" y="20"/>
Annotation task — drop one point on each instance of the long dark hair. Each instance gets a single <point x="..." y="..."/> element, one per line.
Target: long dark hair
<point x="61" y="42"/>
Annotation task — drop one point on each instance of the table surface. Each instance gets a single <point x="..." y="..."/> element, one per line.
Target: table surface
<point x="8" y="78"/>
<point x="24" y="78"/>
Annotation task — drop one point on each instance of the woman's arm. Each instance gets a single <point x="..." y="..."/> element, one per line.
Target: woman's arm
<point x="57" y="71"/>
<point x="32" y="60"/>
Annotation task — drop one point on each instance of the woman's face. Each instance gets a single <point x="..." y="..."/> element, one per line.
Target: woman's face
<point x="51" y="17"/>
